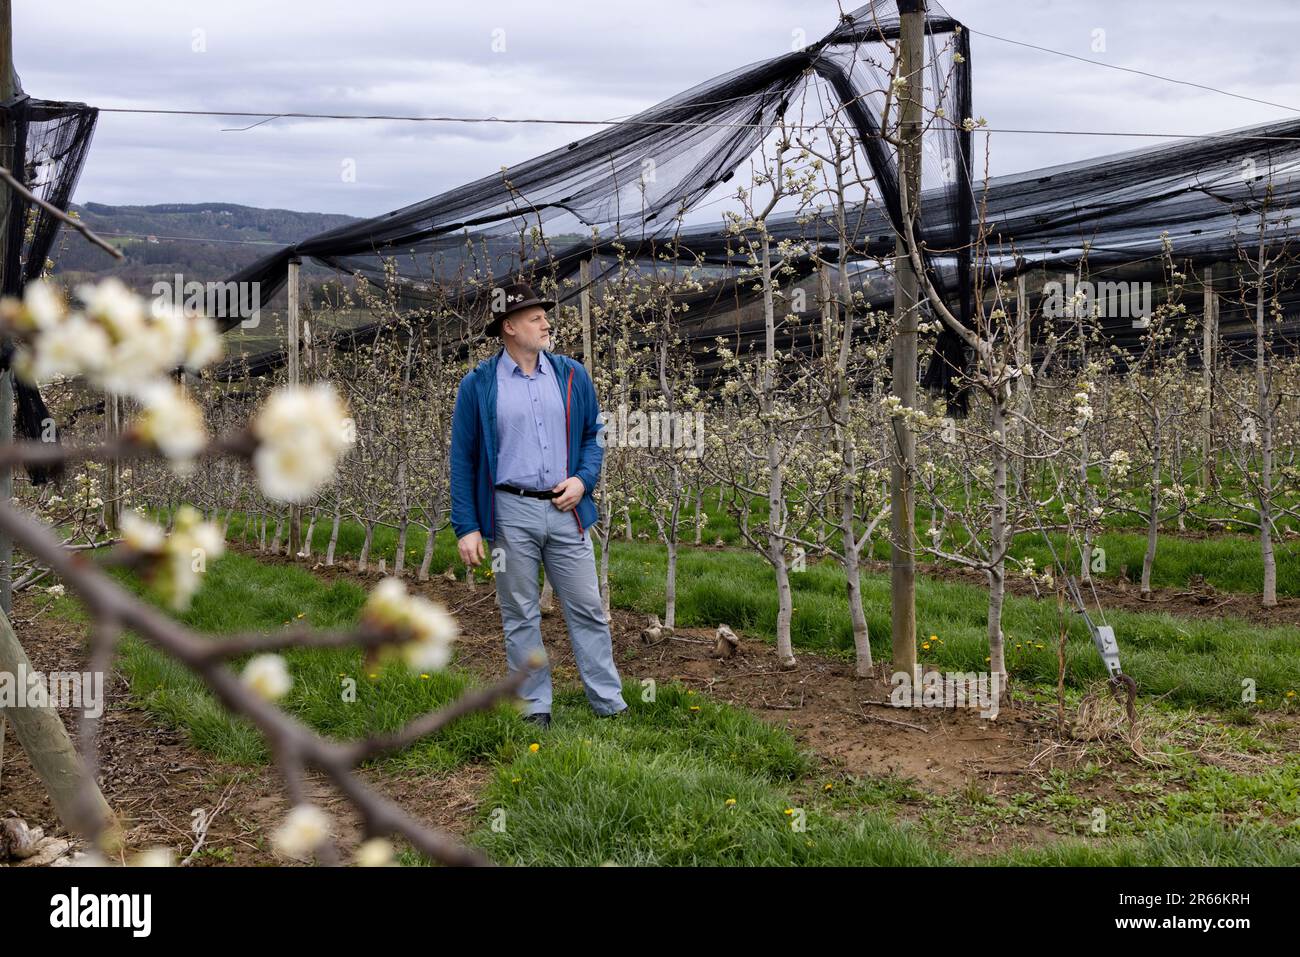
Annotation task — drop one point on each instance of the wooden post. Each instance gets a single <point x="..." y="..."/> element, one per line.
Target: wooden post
<point x="7" y="91"/>
<point x="584" y="300"/>
<point x="49" y="749"/>
<point x="6" y="485"/>
<point x="6" y="378"/>
<point x="113" y="479"/>
<point x="911" y="67"/>
<point x="1209" y="333"/>
<point x="293" y="335"/>
<point x="828" y="311"/>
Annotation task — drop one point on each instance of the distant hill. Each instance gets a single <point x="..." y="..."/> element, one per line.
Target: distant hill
<point x="203" y="241"/>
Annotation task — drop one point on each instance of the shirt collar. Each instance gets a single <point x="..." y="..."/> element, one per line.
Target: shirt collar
<point x="511" y="365"/>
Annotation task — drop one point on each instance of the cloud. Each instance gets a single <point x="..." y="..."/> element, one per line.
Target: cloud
<point x="585" y="59"/>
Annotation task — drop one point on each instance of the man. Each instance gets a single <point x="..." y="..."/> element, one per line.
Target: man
<point x="525" y="457"/>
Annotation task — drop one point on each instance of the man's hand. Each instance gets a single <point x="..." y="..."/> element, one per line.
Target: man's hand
<point x="570" y="492"/>
<point x="471" y="548"/>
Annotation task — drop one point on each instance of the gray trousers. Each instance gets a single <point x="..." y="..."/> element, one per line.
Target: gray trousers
<point x="531" y="532"/>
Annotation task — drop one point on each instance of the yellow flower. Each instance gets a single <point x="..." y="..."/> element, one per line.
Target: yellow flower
<point x="695" y="707"/>
<point x="515" y="780"/>
<point x="731" y="802"/>
<point x="925" y="645"/>
<point x="302" y="614"/>
<point x="934" y="637"/>
<point x="789" y="810"/>
<point x="425" y="677"/>
<point x="1290" y="694"/>
<point x="534" y="747"/>
<point x="829" y="785"/>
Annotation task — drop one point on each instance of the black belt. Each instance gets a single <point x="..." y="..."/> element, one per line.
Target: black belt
<point x="530" y="493"/>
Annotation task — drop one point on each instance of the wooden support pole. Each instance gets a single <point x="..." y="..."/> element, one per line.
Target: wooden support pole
<point x="6" y="490"/>
<point x="7" y="140"/>
<point x="113" y="478"/>
<point x="49" y="749"/>
<point x="293" y="335"/>
<point x="584" y="300"/>
<point x="1209" y="334"/>
<point x="902" y="519"/>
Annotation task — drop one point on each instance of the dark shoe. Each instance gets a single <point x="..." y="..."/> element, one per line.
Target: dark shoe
<point x="542" y="719"/>
<point x="616" y="714"/>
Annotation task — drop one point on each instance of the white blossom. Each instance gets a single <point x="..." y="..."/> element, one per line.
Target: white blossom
<point x="302" y="433"/>
<point x="304" y="829"/>
<point x="141" y="535"/>
<point x="376" y="852"/>
<point x="268" y="675"/>
<point x="426" y="629"/>
<point x="171" y="422"/>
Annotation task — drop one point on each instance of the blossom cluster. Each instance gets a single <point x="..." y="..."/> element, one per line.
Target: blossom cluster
<point x="175" y="562"/>
<point x="424" y="630"/>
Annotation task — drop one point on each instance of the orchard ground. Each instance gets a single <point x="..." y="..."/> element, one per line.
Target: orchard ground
<point x="735" y="761"/>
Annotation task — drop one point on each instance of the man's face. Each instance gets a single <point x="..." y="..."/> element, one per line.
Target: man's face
<point x="527" y="329"/>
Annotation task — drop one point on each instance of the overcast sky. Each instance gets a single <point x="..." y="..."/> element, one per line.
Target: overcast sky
<point x="576" y="59"/>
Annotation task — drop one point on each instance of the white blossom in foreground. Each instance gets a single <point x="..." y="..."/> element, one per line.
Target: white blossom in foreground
<point x="192" y="544"/>
<point x="424" y="629"/>
<point x="376" y="852"/>
<point x="69" y="348"/>
<point x="55" y="590"/>
<point x="42" y="307"/>
<point x="304" y="829"/>
<point x="301" y="432"/>
<point x="155" y="857"/>
<point x="141" y="535"/>
<point x="171" y="422"/>
<point x="114" y="340"/>
<point x="268" y="676"/>
<point x="178" y="560"/>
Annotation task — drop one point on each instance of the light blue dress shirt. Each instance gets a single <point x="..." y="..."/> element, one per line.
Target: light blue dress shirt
<point x="531" y="439"/>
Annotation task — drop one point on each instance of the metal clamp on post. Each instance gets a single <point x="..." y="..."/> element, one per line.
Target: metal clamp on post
<point x="1103" y="636"/>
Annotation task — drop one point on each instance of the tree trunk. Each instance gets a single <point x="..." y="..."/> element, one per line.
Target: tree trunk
<point x="426" y="561"/>
<point x="399" y="559"/>
<point x="1000" y="539"/>
<point x="364" y="557"/>
<point x="775" y="546"/>
<point x="306" y="538"/>
<point x="1153" y="511"/>
<point x="334" y="539"/>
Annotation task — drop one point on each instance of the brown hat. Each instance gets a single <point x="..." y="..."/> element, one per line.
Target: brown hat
<point x="503" y="300"/>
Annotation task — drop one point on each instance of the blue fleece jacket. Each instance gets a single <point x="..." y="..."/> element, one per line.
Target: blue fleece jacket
<point x="474" y="443"/>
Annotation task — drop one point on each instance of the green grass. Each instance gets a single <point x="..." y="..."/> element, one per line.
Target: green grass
<point x="1194" y="662"/>
<point x="332" y="692"/>
<point x="1191" y="662"/>
<point x="1228" y="561"/>
<point x="653" y="788"/>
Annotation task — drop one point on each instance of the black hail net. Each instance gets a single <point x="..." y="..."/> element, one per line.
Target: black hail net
<point x="1198" y="197"/>
<point x="483" y="232"/>
<point x="53" y="140"/>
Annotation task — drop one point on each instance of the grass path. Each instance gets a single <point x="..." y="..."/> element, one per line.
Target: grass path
<point x="685" y="780"/>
